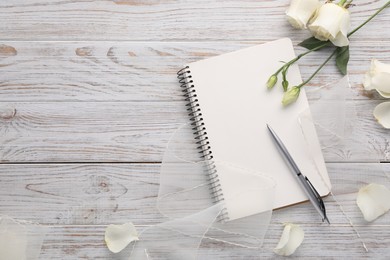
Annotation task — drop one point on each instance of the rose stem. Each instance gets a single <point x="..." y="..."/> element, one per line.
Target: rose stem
<point x="325" y="43"/>
<point x="369" y="19"/>
<point x="319" y="68"/>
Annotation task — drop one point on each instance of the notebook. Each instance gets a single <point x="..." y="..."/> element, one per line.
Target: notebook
<point x="230" y="106"/>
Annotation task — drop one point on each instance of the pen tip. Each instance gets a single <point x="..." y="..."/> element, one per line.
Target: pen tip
<point x="327" y="220"/>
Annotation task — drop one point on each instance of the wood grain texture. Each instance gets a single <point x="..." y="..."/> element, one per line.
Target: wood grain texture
<point x="173" y="20"/>
<point x="135" y="132"/>
<point x="81" y="132"/>
<point x="134" y="71"/>
<point x="87" y="242"/>
<point x="100" y="194"/>
<point x="78" y="201"/>
<point x="89" y="99"/>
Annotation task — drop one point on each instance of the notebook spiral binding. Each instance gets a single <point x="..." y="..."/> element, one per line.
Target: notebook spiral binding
<point x="200" y="133"/>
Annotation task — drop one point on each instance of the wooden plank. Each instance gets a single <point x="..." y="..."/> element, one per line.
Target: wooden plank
<point x="140" y="71"/>
<point x="96" y="194"/>
<point x="110" y="94"/>
<point x="80" y="193"/>
<point x="88" y="131"/>
<point x="134" y="132"/>
<point x="164" y="20"/>
<point x="336" y="242"/>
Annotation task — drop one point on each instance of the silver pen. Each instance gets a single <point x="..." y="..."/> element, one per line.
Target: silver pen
<point x="306" y="185"/>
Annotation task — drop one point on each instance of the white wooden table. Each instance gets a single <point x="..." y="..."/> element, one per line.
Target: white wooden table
<point x="89" y="98"/>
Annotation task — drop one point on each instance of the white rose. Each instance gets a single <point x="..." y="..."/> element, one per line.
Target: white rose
<point x="300" y="12"/>
<point x="378" y="77"/>
<point x="331" y="23"/>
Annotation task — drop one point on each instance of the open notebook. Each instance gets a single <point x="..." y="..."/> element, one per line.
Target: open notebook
<point x="230" y="107"/>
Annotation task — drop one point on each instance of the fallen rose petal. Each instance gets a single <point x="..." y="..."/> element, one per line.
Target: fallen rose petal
<point x="291" y="239"/>
<point x="382" y="114"/>
<point x="378" y="78"/>
<point x="117" y="237"/>
<point x="373" y="201"/>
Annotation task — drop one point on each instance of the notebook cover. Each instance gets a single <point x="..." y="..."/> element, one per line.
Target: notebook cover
<point x="236" y="106"/>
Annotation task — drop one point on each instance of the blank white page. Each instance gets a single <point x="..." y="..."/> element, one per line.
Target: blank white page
<point x="236" y="106"/>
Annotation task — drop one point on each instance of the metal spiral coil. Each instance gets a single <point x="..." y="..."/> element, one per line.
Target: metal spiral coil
<point x="200" y="135"/>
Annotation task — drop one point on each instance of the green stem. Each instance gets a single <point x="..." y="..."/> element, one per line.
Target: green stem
<point x="325" y="43"/>
<point x="342" y="2"/>
<point x="319" y="68"/>
<point x="334" y="52"/>
<point x="300" y="56"/>
<point x="369" y="19"/>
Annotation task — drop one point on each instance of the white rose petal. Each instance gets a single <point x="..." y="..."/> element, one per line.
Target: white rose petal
<point x="382" y="114"/>
<point x="332" y="22"/>
<point x="291" y="239"/>
<point x="300" y="12"/>
<point x="378" y="78"/>
<point x="117" y="237"/>
<point x="373" y="201"/>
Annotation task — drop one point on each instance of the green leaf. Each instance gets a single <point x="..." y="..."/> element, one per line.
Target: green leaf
<point x="342" y="58"/>
<point x="312" y="43"/>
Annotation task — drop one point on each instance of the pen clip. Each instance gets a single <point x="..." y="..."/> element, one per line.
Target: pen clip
<point x="318" y="196"/>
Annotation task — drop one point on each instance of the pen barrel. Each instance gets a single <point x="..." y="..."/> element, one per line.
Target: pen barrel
<point x="310" y="193"/>
<point x="302" y="180"/>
